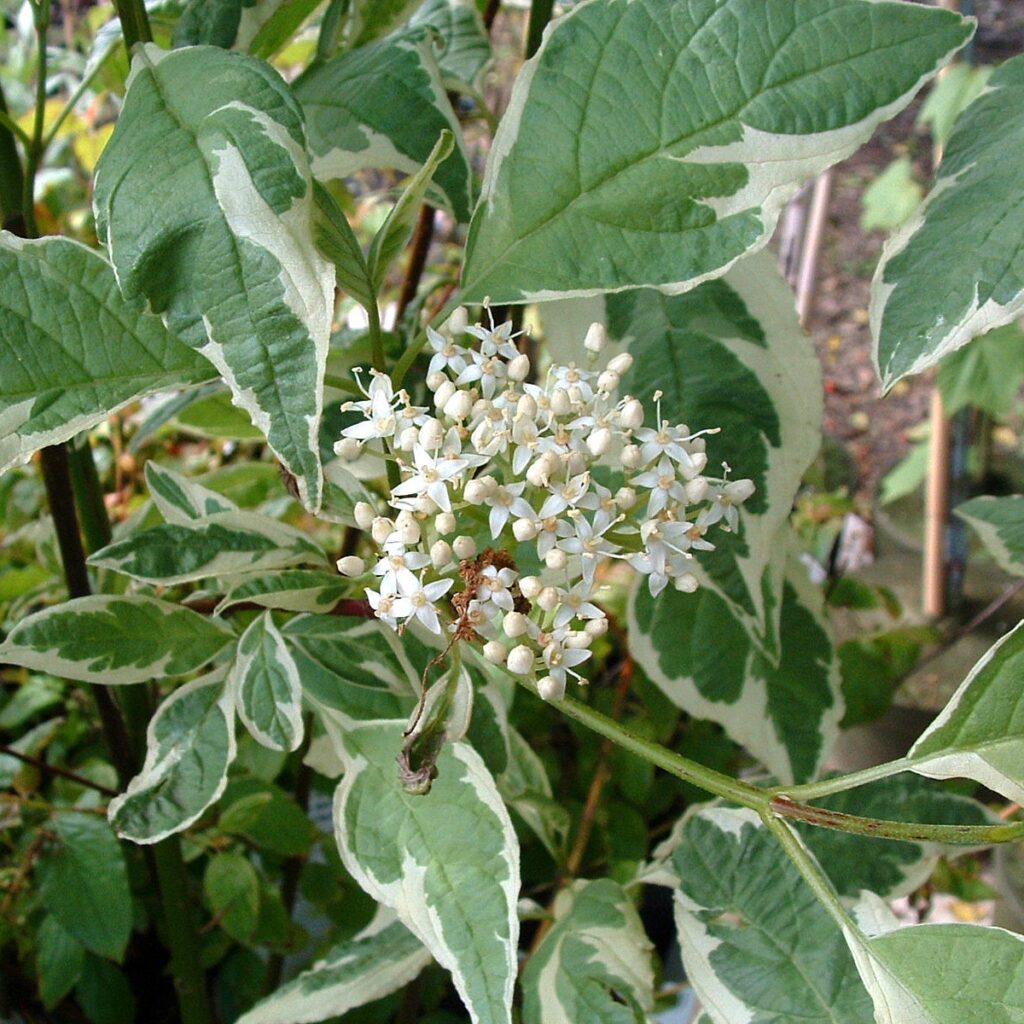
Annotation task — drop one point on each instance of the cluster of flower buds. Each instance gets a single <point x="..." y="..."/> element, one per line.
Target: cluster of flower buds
<point x="513" y="461"/>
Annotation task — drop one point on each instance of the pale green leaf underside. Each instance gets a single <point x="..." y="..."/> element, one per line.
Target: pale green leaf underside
<point x="787" y="713"/>
<point x="224" y="544"/>
<point x="352" y="974"/>
<point x="731" y="355"/>
<point x="265" y="681"/>
<point x="999" y="524"/>
<point x="597" y="947"/>
<point x="956" y="269"/>
<point x="654" y="142"/>
<point x="180" y="500"/>
<point x="115" y="640"/>
<point x="466" y="49"/>
<point x="204" y="199"/>
<point x="756" y="944"/>
<point x="190" y="746"/>
<point x="455" y="887"/>
<point x="980" y="733"/>
<point x="72" y="350"/>
<point x="383" y="105"/>
<point x="985" y="374"/>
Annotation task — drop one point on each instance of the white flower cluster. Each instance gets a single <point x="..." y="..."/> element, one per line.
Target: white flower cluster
<point x="513" y="459"/>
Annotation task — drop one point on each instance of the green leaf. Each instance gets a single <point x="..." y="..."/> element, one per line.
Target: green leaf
<point x="190" y="744"/>
<point x="986" y="374"/>
<point x="467" y="47"/>
<point x="873" y="666"/>
<point x="265" y="681"/>
<point x="371" y="19"/>
<point x="60" y="958"/>
<point x="337" y="241"/>
<point x="447" y="861"/>
<point x="267" y="25"/>
<point x="891" y="199"/>
<point x="524" y="785"/>
<point x="654" y="143"/>
<point x="942" y="973"/>
<point x="950" y="95"/>
<point x="888" y="867"/>
<point x="731" y="354"/>
<point x="224" y="544"/>
<point x="210" y="22"/>
<point x="756" y="944"/>
<point x="115" y="640"/>
<point x="36" y="694"/>
<point x="194" y="179"/>
<point x="72" y="350"/>
<point x="180" y="500"/>
<point x="370" y="966"/>
<point x="980" y="733"/>
<point x="84" y="883"/>
<point x="358" y="668"/>
<point x="384" y="105"/>
<point x="232" y="890"/>
<point x="697" y="653"/>
<point x="999" y="524"/>
<point x="956" y="269"/>
<point x="594" y="966"/>
<point x="267" y="816"/>
<point x="291" y="590"/>
<point x="395" y="232"/>
<point x="104" y="994"/>
<point x="214" y="416"/>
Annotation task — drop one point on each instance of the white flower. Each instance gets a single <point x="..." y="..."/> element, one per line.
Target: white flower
<point x="378" y="409"/>
<point x="489" y="370"/>
<point x="383" y="606"/>
<point x="494" y="587"/>
<point x="447" y="355"/>
<point x="576" y="604"/>
<point x="590" y="544"/>
<point x="419" y="604"/>
<point x="561" y="660"/>
<point x="431" y="477"/>
<point x="397" y="566"/>
<point x="564" y="495"/>
<point x="664" y="484"/>
<point x="507" y="501"/>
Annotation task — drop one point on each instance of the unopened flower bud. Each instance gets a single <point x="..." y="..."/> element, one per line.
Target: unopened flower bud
<point x="464" y="547"/>
<point x="520" y="660"/>
<point x="530" y="587"/>
<point x="541" y="469"/>
<point x="445" y="524"/>
<point x="550" y="688"/>
<point x="597" y="627"/>
<point x="458" y="322"/>
<point x="739" y="490"/>
<point x="435" y="380"/>
<point x="575" y="395"/>
<point x="631" y="415"/>
<point x="515" y="624"/>
<point x="575" y="463"/>
<point x="443" y="393"/>
<point x="431" y="434"/>
<point x="596" y="339"/>
<point x="351" y="565"/>
<point x="548" y="599"/>
<point x="476" y="491"/>
<point x="519" y="368"/>
<point x="526" y="407"/>
<point x="561" y="403"/>
<point x="687" y="583"/>
<point x="556" y="558"/>
<point x="524" y="529"/>
<point x="625" y="498"/>
<point x="348" y="448"/>
<point x="577" y="639"/>
<point x="364" y="515"/>
<point x="495" y="652"/>
<point x="408" y="528"/>
<point x="621" y="363"/>
<point x="608" y="381"/>
<point x="630" y="456"/>
<point x="407" y="439"/>
<point x="381" y="528"/>
<point x="696" y="489"/>
<point x="425" y="506"/>
<point x="440" y="553"/>
<point x="599" y="442"/>
<point x="459" y="405"/>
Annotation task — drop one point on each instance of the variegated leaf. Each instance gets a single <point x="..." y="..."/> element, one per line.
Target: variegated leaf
<point x="526" y="788"/>
<point x="756" y="944"/>
<point x="289" y="590"/>
<point x="180" y="500"/>
<point x="190" y="744"/>
<point x="447" y="862"/>
<point x="980" y="733"/>
<point x="384" y="105"/>
<point x="956" y="269"/>
<point x="217" y="177"/>
<point x="265" y="681"/>
<point x="374" y="964"/>
<point x="999" y="522"/>
<point x="731" y="355"/>
<point x="115" y="640"/>
<point x="72" y="350"/>
<point x="466" y="49"/>
<point x="697" y="652"/>
<point x="267" y="25"/>
<point x="224" y="544"/>
<point x="654" y="142"/>
<point x="594" y="966"/>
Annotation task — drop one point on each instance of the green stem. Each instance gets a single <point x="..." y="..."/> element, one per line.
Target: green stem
<point x="540" y="15"/>
<point x="85" y="483"/>
<point x="342" y="384"/>
<point x="15" y="129"/>
<point x="134" y="22"/>
<point x="812" y="874"/>
<point x="75" y="96"/>
<point x="41" y="13"/>
<point x="330" y="30"/>
<point x="841" y="783"/>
